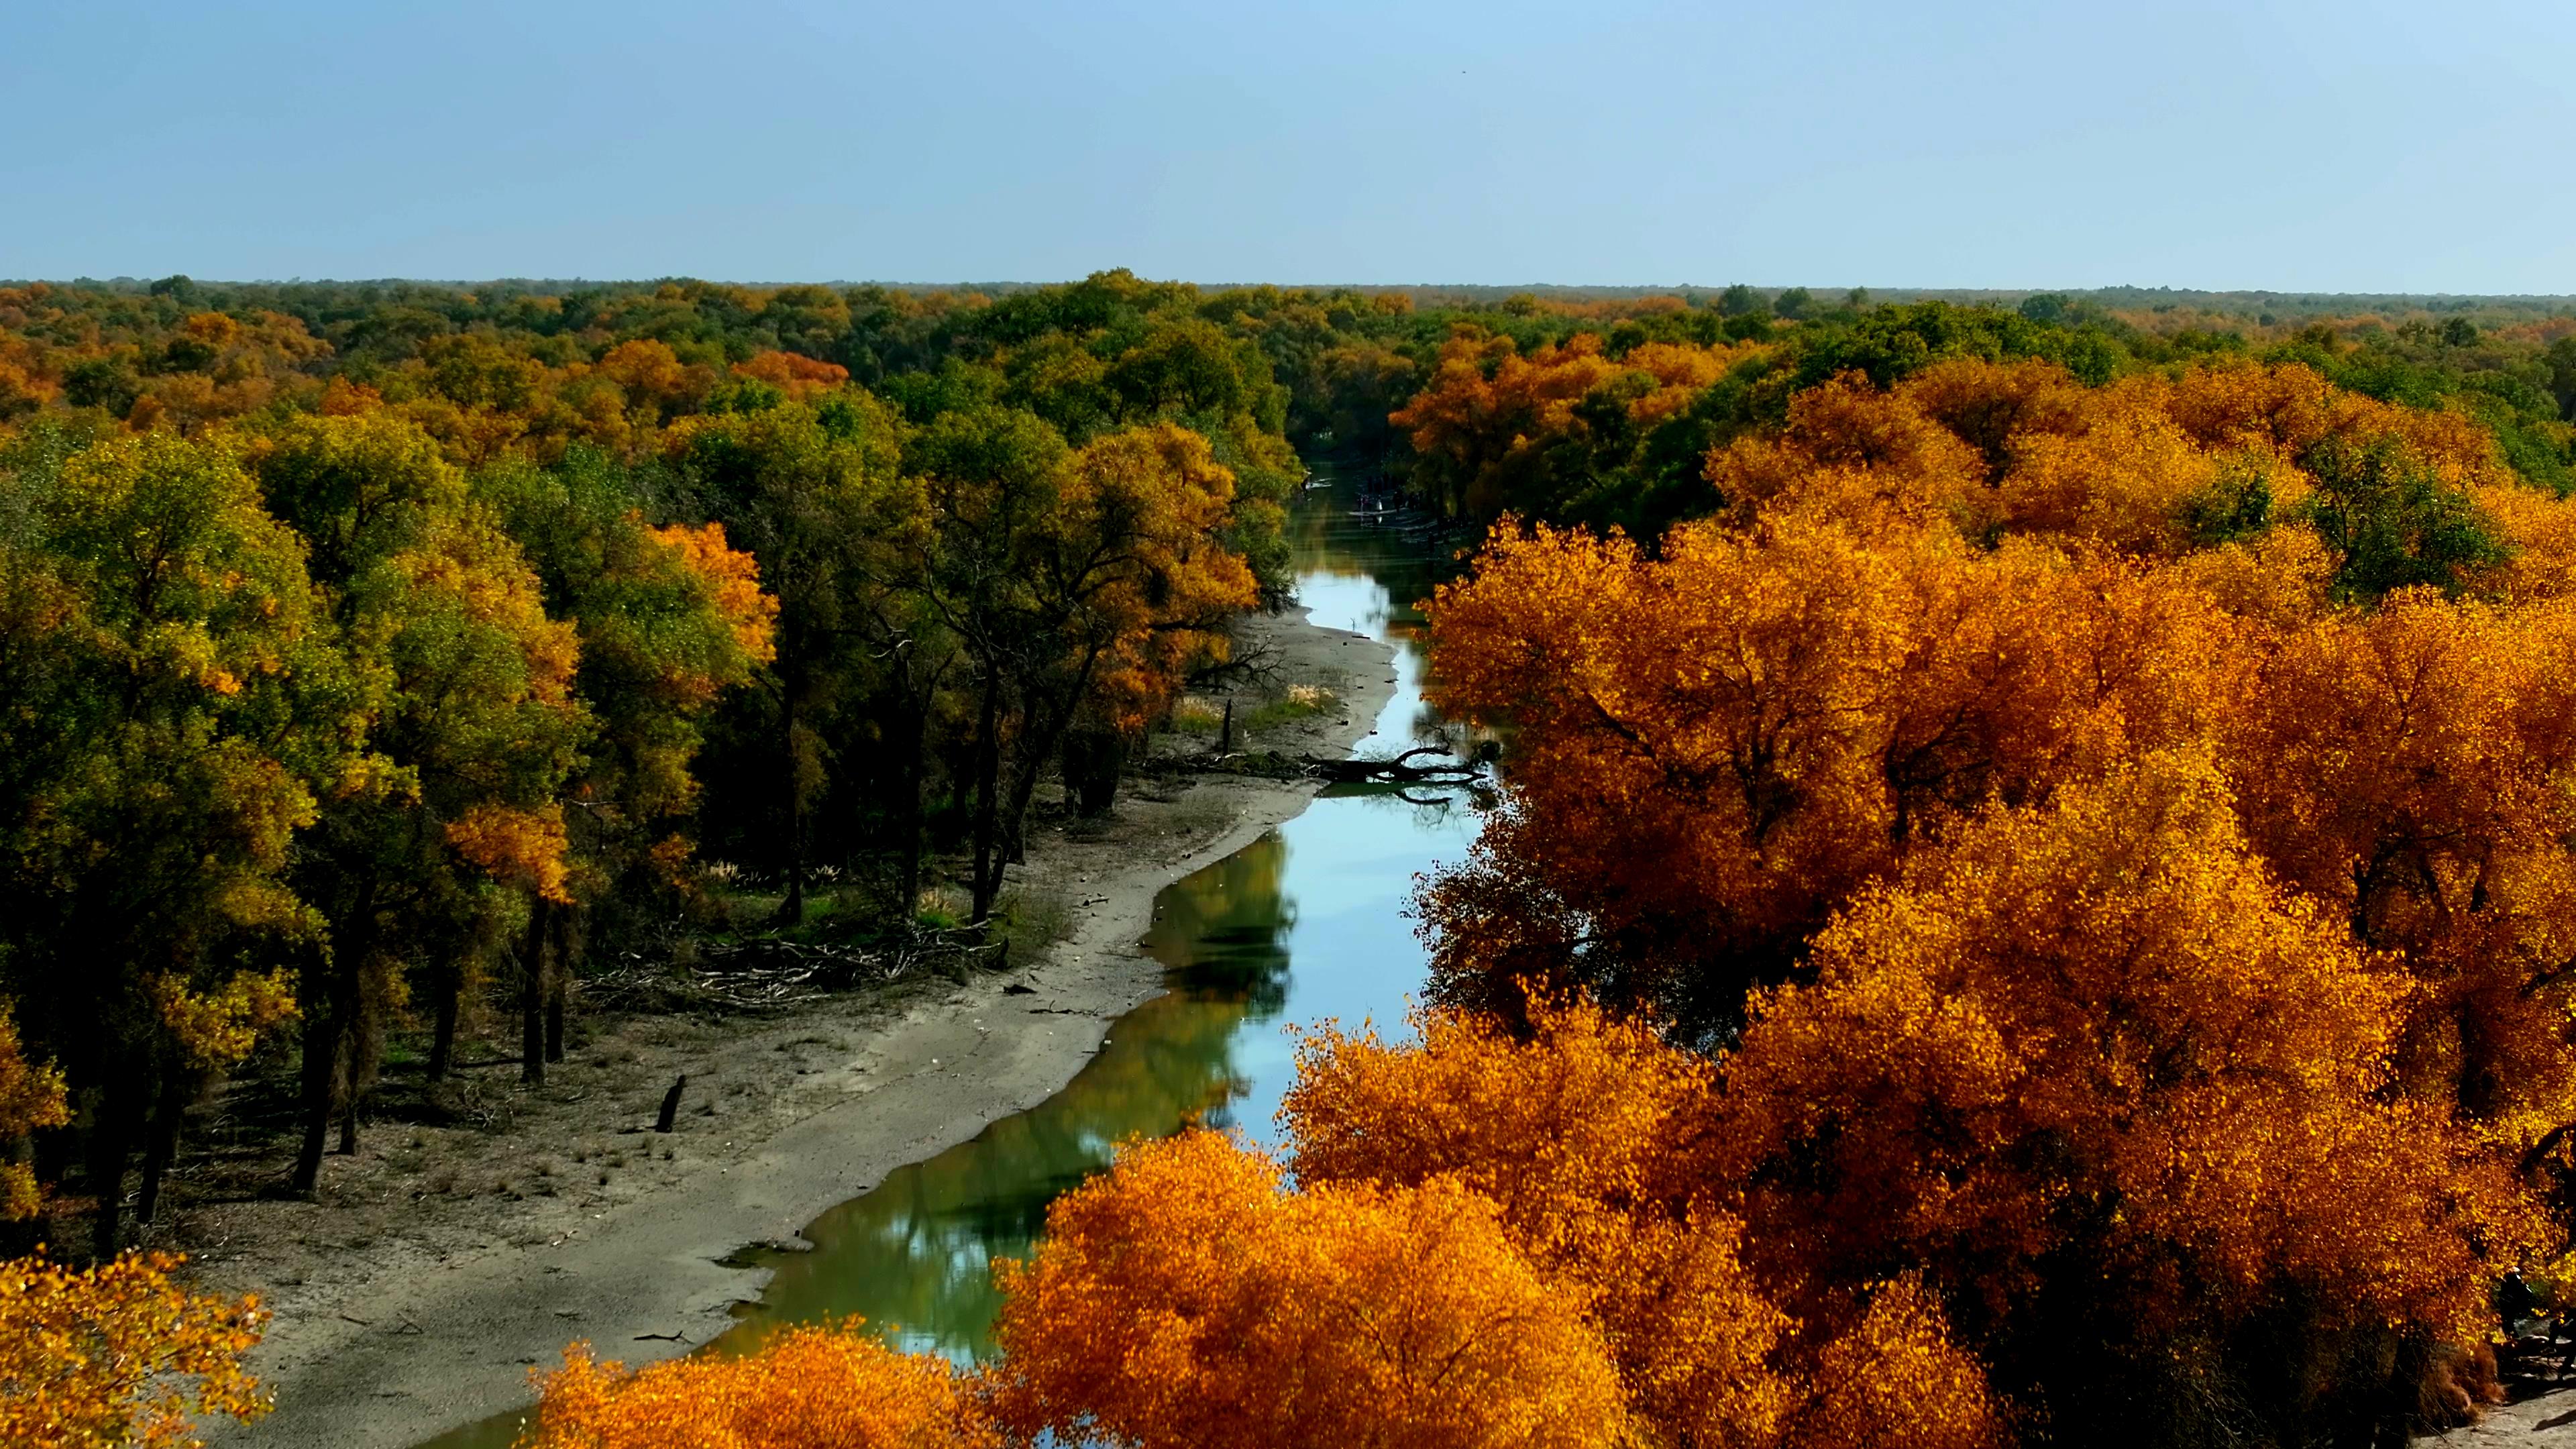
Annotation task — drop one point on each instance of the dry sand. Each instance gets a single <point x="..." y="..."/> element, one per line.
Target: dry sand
<point x="442" y="1264"/>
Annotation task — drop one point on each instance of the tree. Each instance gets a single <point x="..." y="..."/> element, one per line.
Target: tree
<point x="1168" y="1296"/>
<point x="2405" y="769"/>
<point x="1740" y="300"/>
<point x="32" y="1099"/>
<point x="1716" y="746"/>
<point x="1594" y="1138"/>
<point x="805" y="1388"/>
<point x="95" y="1356"/>
<point x="1497" y="430"/>
<point x="807" y="490"/>
<point x="2560" y="359"/>
<point x="2124" y="1106"/>
<point x="2393" y="521"/>
<point x="1078" y="583"/>
<point x="1793" y="304"/>
<point x="169" y="699"/>
<point x="669" y="619"/>
<point x="476" y="728"/>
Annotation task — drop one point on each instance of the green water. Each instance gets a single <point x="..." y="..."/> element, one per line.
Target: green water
<point x="1305" y="925"/>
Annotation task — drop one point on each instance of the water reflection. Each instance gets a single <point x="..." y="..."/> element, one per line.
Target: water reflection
<point x="912" y="1255"/>
<point x="1307" y="924"/>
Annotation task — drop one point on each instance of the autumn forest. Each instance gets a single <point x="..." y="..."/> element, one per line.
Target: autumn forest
<point x="2028" y="896"/>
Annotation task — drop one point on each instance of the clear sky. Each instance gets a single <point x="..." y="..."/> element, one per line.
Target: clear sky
<point x="2347" y="146"/>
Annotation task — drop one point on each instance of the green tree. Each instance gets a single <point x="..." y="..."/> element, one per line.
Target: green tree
<point x="474" y="717"/>
<point x="169" y="707"/>
<point x="669" y="619"/>
<point x="2392" y="521"/>
<point x="808" y="490"/>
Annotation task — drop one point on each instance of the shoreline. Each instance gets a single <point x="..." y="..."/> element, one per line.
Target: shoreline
<point x="384" y="1343"/>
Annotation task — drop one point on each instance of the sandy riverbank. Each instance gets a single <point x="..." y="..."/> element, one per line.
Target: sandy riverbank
<point x="442" y="1264"/>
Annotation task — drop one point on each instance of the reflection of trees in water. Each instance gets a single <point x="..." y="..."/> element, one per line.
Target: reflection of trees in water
<point x="915" y="1253"/>
<point x="1223" y="931"/>
<point x="1430" y="806"/>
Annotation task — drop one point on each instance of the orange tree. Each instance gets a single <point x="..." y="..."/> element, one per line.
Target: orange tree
<point x="1185" y="1300"/>
<point x="1938" y="626"/>
<point x="1597" y="1141"/>
<point x="807" y="1388"/>
<point x="2124" y="1102"/>
<point x="1570" y="430"/>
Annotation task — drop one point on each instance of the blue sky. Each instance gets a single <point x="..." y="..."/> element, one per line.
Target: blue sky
<point x="2351" y="146"/>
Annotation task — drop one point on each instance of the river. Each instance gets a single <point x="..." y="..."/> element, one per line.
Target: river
<point x="1305" y="925"/>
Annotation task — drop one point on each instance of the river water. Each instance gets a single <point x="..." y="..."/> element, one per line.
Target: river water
<point x="1305" y="925"/>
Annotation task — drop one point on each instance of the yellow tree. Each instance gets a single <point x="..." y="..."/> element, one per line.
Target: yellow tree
<point x="807" y="1388"/>
<point x="2123" y="1102"/>
<point x="1185" y="1300"/>
<point x="1596" y="1141"/>
<point x="96" y="1357"/>
<point x="103" y="1356"/>
<point x="2408" y="769"/>
<point x="1715" y="746"/>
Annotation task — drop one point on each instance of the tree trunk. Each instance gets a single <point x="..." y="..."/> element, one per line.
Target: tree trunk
<point x="1094" y="757"/>
<point x="908" y="810"/>
<point x="532" y="994"/>
<point x="321" y="1071"/>
<point x="792" y="910"/>
<point x="349" y="1098"/>
<point x="168" y="1112"/>
<point x="442" y="1035"/>
<point x="1024" y="787"/>
<point x="988" y="789"/>
<point x="558" y="983"/>
<point x="330" y="1029"/>
<point x="111" y="1139"/>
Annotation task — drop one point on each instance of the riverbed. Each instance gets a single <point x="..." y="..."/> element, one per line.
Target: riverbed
<point x="1305" y="924"/>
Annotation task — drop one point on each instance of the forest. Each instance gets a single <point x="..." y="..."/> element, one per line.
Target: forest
<point x="2029" y="902"/>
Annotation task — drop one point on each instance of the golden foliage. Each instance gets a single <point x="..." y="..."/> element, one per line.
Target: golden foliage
<point x="2117" y="977"/>
<point x="217" y="1029"/>
<point x="1770" y="716"/>
<point x="801" y="378"/>
<point x="2110" y="901"/>
<point x="1489" y="414"/>
<point x="824" y="1387"/>
<point x="522" y="847"/>
<point x="92" y="1359"/>
<point x="1594" y="1139"/>
<point x="32" y="1097"/>
<point x="1158" y="498"/>
<point x="1185" y="1300"/>
<point x="731" y="578"/>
